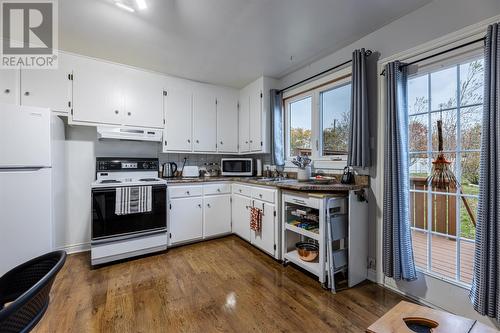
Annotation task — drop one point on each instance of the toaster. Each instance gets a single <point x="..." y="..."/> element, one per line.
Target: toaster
<point x="190" y="171"/>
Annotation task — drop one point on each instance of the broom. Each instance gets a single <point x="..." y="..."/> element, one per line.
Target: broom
<point x="442" y="177"/>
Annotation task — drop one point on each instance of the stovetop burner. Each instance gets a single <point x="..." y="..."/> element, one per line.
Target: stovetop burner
<point x="110" y="181"/>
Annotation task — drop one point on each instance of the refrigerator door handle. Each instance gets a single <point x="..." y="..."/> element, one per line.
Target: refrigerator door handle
<point x="23" y="169"/>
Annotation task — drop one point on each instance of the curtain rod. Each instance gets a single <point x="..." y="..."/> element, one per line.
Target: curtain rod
<point x="438" y="54"/>
<point x="367" y="53"/>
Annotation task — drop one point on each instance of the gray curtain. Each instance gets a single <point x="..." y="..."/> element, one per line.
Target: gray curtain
<point x="359" y="134"/>
<point x="277" y="140"/>
<point x="398" y="261"/>
<point x="485" y="291"/>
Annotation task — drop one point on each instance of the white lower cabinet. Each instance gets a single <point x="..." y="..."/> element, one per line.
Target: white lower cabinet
<point x="216" y="215"/>
<point x="241" y="216"/>
<point x="185" y="219"/>
<point x="265" y="239"/>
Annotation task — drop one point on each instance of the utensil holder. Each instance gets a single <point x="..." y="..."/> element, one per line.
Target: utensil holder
<point x="304" y="174"/>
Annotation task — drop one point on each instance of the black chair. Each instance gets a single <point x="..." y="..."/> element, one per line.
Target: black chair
<point x="27" y="287"/>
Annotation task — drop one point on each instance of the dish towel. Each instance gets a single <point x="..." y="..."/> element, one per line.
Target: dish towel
<point x="255" y="219"/>
<point x="132" y="200"/>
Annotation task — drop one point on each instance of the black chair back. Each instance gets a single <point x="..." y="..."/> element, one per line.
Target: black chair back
<point x="27" y="287"/>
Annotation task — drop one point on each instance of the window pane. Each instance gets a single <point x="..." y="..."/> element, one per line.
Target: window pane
<point x="466" y="261"/>
<point x="419" y="169"/>
<point x="300" y="127"/>
<point x="449" y="121"/>
<point x="419" y="238"/>
<point x="418" y="132"/>
<point x="470" y="173"/>
<point x="471" y="82"/>
<point x="418" y="91"/>
<point x="444" y="256"/>
<point x="471" y="120"/>
<point x="444" y="89"/>
<point x="444" y="214"/>
<point x="336" y="113"/>
<point x="468" y="217"/>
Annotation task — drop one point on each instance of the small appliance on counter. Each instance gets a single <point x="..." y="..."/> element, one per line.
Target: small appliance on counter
<point x="169" y="170"/>
<point x="258" y="167"/>
<point x="236" y="167"/>
<point x="212" y="170"/>
<point x="129" y="209"/>
<point x="190" y="171"/>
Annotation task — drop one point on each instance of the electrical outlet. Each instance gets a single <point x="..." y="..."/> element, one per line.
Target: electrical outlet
<point x="371" y="263"/>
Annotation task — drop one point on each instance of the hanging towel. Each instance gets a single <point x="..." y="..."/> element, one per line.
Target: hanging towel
<point x="132" y="200"/>
<point x="255" y="219"/>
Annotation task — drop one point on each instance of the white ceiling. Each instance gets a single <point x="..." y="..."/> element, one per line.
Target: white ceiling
<point x="228" y="42"/>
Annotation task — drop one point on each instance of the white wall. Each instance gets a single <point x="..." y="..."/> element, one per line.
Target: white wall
<point x="432" y="21"/>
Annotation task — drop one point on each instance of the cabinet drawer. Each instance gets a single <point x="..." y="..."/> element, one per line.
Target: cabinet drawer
<point x="185" y="191"/>
<point x="263" y="194"/>
<point x="209" y="189"/>
<point x="302" y="200"/>
<point x="242" y="190"/>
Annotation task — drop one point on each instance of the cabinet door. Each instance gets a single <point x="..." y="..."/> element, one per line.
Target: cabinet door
<point x="256" y="121"/>
<point x="97" y="97"/>
<point x="241" y="216"/>
<point x="143" y="93"/>
<point x="227" y="124"/>
<point x="204" y="121"/>
<point x="265" y="238"/>
<point x="177" y="134"/>
<point x="185" y="219"/>
<point x="244" y="124"/>
<point x="216" y="215"/>
<point x="9" y="86"/>
<point x="48" y="88"/>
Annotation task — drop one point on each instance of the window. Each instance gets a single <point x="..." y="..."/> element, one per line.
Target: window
<point x="317" y="123"/>
<point x="443" y="223"/>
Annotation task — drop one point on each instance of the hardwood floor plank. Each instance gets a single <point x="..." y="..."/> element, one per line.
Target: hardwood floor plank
<point x="222" y="285"/>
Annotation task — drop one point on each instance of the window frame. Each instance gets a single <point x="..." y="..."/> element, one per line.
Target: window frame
<point x="314" y="90"/>
<point x="426" y="69"/>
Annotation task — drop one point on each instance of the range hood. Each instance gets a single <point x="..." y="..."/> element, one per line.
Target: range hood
<point x="129" y="133"/>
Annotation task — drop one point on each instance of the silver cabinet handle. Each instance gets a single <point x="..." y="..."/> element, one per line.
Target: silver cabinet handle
<point x="260" y="195"/>
<point x="208" y="205"/>
<point x="116" y="111"/>
<point x="251" y="141"/>
<point x="6" y="91"/>
<point x="189" y="141"/>
<point x="165" y="142"/>
<point x="246" y="141"/>
<point x="187" y="192"/>
<point x="129" y="113"/>
<point x="218" y="190"/>
<point x="27" y="93"/>
<point x="263" y="206"/>
<point x="197" y="141"/>
<point x="221" y="143"/>
<point x="199" y="205"/>
<point x="240" y="190"/>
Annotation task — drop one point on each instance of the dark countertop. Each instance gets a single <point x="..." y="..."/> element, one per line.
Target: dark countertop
<point x="287" y="184"/>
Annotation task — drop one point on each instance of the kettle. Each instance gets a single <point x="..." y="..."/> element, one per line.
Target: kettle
<point x="169" y="170"/>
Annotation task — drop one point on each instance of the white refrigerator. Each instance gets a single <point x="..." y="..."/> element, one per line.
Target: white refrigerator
<point x="31" y="143"/>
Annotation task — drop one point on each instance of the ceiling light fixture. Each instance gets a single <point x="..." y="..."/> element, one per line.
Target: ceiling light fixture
<point x="141" y="4"/>
<point x="125" y="7"/>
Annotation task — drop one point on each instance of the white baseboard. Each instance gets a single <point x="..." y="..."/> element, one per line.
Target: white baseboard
<point x="372" y="275"/>
<point x="75" y="248"/>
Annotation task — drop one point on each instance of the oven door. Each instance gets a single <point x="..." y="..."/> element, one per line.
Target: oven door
<point x="106" y="224"/>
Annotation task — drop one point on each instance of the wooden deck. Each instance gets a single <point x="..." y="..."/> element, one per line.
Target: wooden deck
<point x="444" y="254"/>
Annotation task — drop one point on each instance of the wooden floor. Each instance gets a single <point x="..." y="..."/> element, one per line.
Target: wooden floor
<point x="222" y="285"/>
<point x="444" y="254"/>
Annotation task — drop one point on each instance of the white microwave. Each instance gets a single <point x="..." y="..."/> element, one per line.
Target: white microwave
<point x="236" y="166"/>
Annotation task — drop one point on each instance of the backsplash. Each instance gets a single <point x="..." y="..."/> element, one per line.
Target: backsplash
<point x="201" y="159"/>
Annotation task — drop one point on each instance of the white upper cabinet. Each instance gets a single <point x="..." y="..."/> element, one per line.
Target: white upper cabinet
<point x="97" y="94"/>
<point x="227" y="122"/>
<point x="254" y="116"/>
<point x="255" y="107"/>
<point x="143" y="98"/>
<point x="49" y="88"/>
<point x="177" y="134"/>
<point x="204" y="119"/>
<point x="9" y="86"/>
<point x="244" y="123"/>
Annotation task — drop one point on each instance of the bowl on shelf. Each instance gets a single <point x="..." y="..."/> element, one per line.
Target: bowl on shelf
<point x="307" y="251"/>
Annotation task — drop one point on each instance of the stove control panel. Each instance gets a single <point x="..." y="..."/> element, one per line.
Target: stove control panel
<point x="126" y="164"/>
